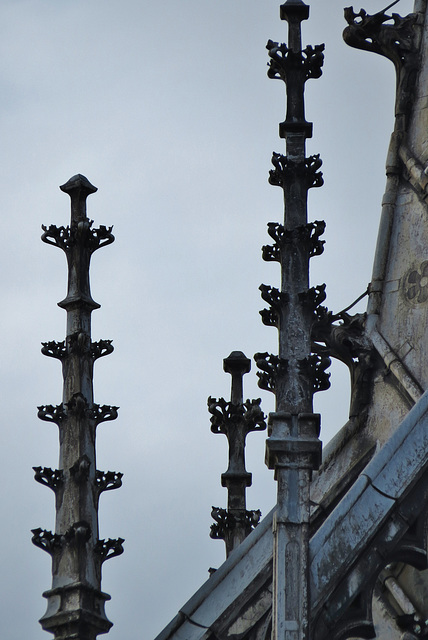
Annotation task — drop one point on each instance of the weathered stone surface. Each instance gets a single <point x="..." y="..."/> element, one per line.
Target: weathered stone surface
<point x="75" y="608"/>
<point x="369" y="497"/>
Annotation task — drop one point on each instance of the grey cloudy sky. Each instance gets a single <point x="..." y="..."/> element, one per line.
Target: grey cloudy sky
<point x="167" y="109"/>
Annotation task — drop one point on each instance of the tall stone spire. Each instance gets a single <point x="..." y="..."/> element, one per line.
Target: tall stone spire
<point x="75" y="601"/>
<point x="293" y="449"/>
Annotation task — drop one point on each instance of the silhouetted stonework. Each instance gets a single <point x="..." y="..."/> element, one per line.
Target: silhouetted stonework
<point x="75" y="601"/>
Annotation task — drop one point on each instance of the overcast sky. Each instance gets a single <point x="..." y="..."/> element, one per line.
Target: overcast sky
<point x="167" y="109"/>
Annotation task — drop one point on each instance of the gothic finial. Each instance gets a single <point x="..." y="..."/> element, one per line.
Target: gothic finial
<point x="78" y="183"/>
<point x="235" y="419"/>
<point x="78" y="188"/>
<point x="76" y="602"/>
<point x="237" y="364"/>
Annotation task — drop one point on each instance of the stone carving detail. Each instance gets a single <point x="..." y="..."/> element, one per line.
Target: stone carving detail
<point x="235" y="419"/>
<point x="103" y="413"/>
<point x="77" y="405"/>
<point x="107" y="549"/>
<point x="79" y="533"/>
<point x="77" y="343"/>
<point x="76" y="566"/>
<point x="271" y="368"/>
<point x="223" y="412"/>
<point x="108" y="480"/>
<point x="416" y="284"/>
<point x="80" y="469"/>
<point x="309" y="233"/>
<point x="275" y="299"/>
<point x="56" y="236"/>
<point x="393" y="41"/>
<point x="101" y="348"/>
<point x="270" y="317"/>
<point x="54" y="349"/>
<point x="46" y="540"/>
<point x="226" y="521"/>
<point x="348" y="343"/>
<point x="283" y="60"/>
<point x="49" y="477"/>
<point x="314" y="297"/>
<point x="414" y="624"/>
<point x="81" y="232"/>
<point x="50" y="413"/>
<point x="271" y="253"/>
<point x="273" y="296"/>
<point x="286" y="170"/>
<point x="314" y="367"/>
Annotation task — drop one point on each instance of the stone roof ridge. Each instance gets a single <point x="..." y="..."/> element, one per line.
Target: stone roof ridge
<point x="344" y="551"/>
<point x="375" y="514"/>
